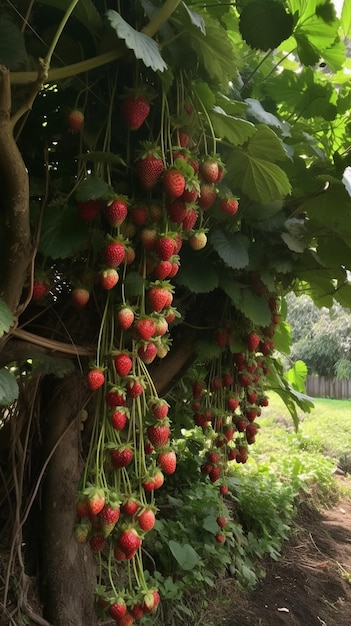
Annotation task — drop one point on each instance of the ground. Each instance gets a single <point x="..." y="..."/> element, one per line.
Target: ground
<point x="309" y="586"/>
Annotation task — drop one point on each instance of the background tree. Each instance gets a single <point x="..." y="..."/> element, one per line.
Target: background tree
<point x="134" y="246"/>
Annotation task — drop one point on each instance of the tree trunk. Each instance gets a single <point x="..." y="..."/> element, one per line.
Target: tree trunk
<point x="68" y="569"/>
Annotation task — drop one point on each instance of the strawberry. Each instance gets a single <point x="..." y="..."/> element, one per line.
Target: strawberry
<point x="147" y="351"/>
<point x="197" y="389"/>
<point x="232" y="454"/>
<point x="135" y="109"/>
<point x="161" y="326"/>
<point x="223" y="490"/>
<point x="122" y="456"/>
<point x="158" y="434"/>
<point x="220" y="538"/>
<point x="125" y="317"/>
<point x="158" y="479"/>
<point x="264" y="401"/>
<point x="95" y="499"/>
<point x="215" y="474"/>
<point x="221" y="521"/>
<point x="176" y="210"/>
<point x="158" y="407"/>
<point x="167" y="461"/>
<point x="207" y="196"/>
<point x="119" y="417"/>
<point x="88" y="209"/>
<point x="80" y="297"/>
<point x="130" y="507"/>
<point x="108" y="278"/>
<point x="97" y="542"/>
<point x="81" y="532"/>
<point x="229" y="205"/>
<point x="118" y="608"/>
<point x="135" y="387"/>
<point x="139" y="214"/>
<point x="137" y="611"/>
<point x="116" y="397"/>
<point x="145" y="328"/>
<point x="253" y="341"/>
<point x="232" y="403"/>
<point x="191" y="191"/>
<point x="95" y="379"/>
<point x="162" y="270"/>
<point x="75" y="120"/>
<point x="227" y="379"/>
<point x="165" y="247"/>
<point x="146" y="519"/>
<point x="190" y="220"/>
<point x="109" y="517"/>
<point x="123" y="364"/>
<point x="173" y="182"/>
<point x="160" y="295"/>
<point x="129" y="541"/>
<point x="127" y="620"/>
<point x="114" y="253"/>
<point x="241" y="424"/>
<point x="149" y="167"/>
<point x="209" y="170"/>
<point x="148" y="237"/>
<point x="183" y="138"/>
<point x="130" y="255"/>
<point x="40" y="289"/>
<point x="116" y="211"/>
<point x="82" y="505"/>
<point x="198" y="240"/>
<point x="251" y="430"/>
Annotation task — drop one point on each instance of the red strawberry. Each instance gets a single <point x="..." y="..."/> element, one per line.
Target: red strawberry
<point x="190" y="220"/>
<point x="135" y="109"/>
<point x="162" y="270"/>
<point x="145" y="328"/>
<point x="40" y="289"/>
<point x="220" y="538"/>
<point x="97" y="542"/>
<point x="119" y="418"/>
<point x="127" y="620"/>
<point x="197" y="389"/>
<point x="116" y="397"/>
<point x="227" y="379"/>
<point x="146" y="519"/>
<point x="232" y="454"/>
<point x="108" y="278"/>
<point x="82" y="506"/>
<point x="122" y="456"/>
<point x="129" y="541"/>
<point x="176" y="210"/>
<point x="147" y="351"/>
<point x="158" y="479"/>
<point x="149" y="167"/>
<point x="123" y="364"/>
<point x="109" y="517"/>
<point x="130" y="507"/>
<point x="118" y="608"/>
<point x="137" y="611"/>
<point x="114" y="253"/>
<point x="95" y="500"/>
<point x="148" y="237"/>
<point x="232" y="403"/>
<point x="221" y="521"/>
<point x="95" y="379"/>
<point x="158" y="407"/>
<point x="241" y="425"/>
<point x="167" y="461"/>
<point x="139" y="214"/>
<point x="158" y="434"/>
<point x="215" y="474"/>
<point x="209" y="170"/>
<point x="253" y="341"/>
<point x="165" y="247"/>
<point x="229" y="205"/>
<point x="125" y="317"/>
<point x="88" y="209"/>
<point x="160" y="295"/>
<point x="173" y="182"/>
<point x="183" y="138"/>
<point x="116" y="211"/>
<point x="135" y="387"/>
<point x="223" y="490"/>
<point x="75" y="120"/>
<point x="207" y="196"/>
<point x="198" y="240"/>
<point x="80" y="297"/>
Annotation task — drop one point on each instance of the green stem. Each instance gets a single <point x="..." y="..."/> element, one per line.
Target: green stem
<point x="59" y="31"/>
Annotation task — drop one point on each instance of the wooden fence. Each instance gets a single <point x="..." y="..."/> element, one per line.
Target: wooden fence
<point x="328" y="387"/>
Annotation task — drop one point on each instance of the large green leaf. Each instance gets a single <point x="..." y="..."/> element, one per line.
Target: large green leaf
<point x="232" y="248"/>
<point x="184" y="554"/>
<point x="63" y="234"/>
<point x="12" y="49"/>
<point x="264" y="24"/>
<point x="93" y="188"/>
<point x="282" y="337"/>
<point x="6" y="318"/>
<point x="259" y="179"/>
<point x="144" y="47"/>
<point x="204" y="94"/>
<point x="197" y="274"/>
<point x="235" y="129"/>
<point x="254" y="308"/>
<point x="256" y="111"/>
<point x="346" y="19"/>
<point x="8" y="388"/>
<point x="85" y="11"/>
<point x="265" y="144"/>
<point x="297" y="375"/>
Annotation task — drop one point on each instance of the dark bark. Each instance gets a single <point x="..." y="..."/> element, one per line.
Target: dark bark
<point x="68" y="569"/>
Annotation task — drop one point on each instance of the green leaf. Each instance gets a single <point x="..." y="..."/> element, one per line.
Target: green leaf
<point x="6" y="318"/>
<point x="306" y="51"/>
<point x="258" y="212"/>
<point x="196" y="19"/>
<point x="255" y="110"/>
<point x="144" y="47"/>
<point x="235" y="129"/>
<point x="265" y="144"/>
<point x="207" y="349"/>
<point x="85" y="12"/>
<point x="93" y="188"/>
<point x="198" y="276"/>
<point x="8" y="388"/>
<point x="210" y="524"/>
<point x="232" y="248"/>
<point x="297" y="375"/>
<point x="346" y="19"/>
<point x="264" y="25"/>
<point x="12" y="48"/>
<point x="282" y="337"/>
<point x="49" y="365"/>
<point x="254" y="308"/>
<point x="184" y="554"/>
<point x="232" y="289"/>
<point x="63" y="233"/>
<point x="204" y="94"/>
<point x="133" y="284"/>
<point x="102" y="157"/>
<point x="259" y="179"/>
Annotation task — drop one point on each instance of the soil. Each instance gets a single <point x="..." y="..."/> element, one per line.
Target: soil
<point x="309" y="586"/>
